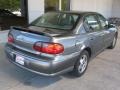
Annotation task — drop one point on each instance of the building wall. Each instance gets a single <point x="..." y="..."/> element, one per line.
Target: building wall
<point x="116" y="8"/>
<point x="106" y="7"/>
<point x="35" y="9"/>
<point x="102" y="6"/>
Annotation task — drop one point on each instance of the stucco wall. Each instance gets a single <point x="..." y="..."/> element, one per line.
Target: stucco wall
<point x="106" y="7"/>
<point x="116" y="8"/>
<point x="35" y="9"/>
<point x="102" y="6"/>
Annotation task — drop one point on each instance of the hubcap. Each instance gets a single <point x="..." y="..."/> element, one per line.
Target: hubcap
<point x="82" y="64"/>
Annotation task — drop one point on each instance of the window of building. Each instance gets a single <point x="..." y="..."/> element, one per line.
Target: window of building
<point x="56" y="5"/>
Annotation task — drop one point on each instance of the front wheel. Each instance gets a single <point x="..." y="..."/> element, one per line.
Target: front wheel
<point x="81" y="64"/>
<point x="112" y="46"/>
<point x="0" y="28"/>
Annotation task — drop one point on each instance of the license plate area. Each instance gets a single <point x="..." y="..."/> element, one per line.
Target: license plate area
<point x="20" y="59"/>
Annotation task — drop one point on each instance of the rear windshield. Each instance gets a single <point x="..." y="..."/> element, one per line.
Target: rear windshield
<point x="65" y="21"/>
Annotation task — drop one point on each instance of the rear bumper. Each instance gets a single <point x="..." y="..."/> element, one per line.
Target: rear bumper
<point x="42" y="67"/>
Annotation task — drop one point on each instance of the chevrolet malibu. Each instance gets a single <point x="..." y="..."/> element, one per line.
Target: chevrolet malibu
<point x="59" y="42"/>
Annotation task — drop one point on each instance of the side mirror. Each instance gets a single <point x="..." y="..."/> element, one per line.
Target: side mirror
<point x="111" y="25"/>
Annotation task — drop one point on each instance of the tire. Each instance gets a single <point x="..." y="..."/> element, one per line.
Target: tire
<point x="81" y="65"/>
<point x="0" y="28"/>
<point x="113" y="44"/>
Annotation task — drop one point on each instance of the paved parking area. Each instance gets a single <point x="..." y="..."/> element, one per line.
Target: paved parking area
<point x="103" y="74"/>
<point x="3" y="36"/>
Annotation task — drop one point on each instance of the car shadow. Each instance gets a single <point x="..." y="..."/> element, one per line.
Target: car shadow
<point x="31" y="79"/>
<point x="28" y="78"/>
<point x="42" y="81"/>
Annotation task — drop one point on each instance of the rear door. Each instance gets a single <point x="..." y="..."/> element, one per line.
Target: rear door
<point x="95" y="34"/>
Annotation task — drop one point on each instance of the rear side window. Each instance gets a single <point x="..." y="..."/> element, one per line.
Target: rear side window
<point x="91" y="23"/>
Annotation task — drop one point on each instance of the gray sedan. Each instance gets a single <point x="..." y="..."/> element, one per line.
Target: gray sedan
<point x="60" y="42"/>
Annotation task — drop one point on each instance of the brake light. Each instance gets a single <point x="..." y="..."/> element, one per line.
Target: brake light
<point x="10" y="39"/>
<point x="49" y="48"/>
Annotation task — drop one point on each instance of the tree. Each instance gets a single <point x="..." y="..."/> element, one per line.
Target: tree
<point x="11" y="5"/>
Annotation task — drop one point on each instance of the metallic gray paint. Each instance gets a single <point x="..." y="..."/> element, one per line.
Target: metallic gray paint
<point x="74" y="43"/>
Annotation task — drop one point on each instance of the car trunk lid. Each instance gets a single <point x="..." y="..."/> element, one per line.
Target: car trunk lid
<point x="25" y="38"/>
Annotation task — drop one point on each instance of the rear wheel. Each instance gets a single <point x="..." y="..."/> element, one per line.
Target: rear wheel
<point x="81" y="64"/>
<point x="113" y="44"/>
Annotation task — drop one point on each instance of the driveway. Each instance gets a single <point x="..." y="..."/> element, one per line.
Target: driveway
<point x="103" y="74"/>
<point x="3" y="36"/>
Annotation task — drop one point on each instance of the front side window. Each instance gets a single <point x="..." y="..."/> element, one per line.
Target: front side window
<point x="57" y="20"/>
<point x="102" y="21"/>
<point x="91" y="23"/>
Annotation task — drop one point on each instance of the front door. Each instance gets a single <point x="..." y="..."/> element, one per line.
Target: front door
<point x="107" y="33"/>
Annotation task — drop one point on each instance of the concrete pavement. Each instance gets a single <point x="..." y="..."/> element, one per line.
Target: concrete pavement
<point x="3" y="36"/>
<point x="103" y="74"/>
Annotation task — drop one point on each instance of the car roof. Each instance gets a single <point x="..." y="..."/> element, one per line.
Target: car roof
<point x="78" y="12"/>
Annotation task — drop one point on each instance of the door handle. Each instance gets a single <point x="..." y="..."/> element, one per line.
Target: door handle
<point x="101" y="35"/>
<point x="91" y="38"/>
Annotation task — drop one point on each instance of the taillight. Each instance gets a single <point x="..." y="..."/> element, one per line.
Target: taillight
<point x="49" y="48"/>
<point x="10" y="39"/>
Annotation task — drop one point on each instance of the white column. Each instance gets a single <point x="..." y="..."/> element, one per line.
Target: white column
<point x="60" y="5"/>
<point x="35" y="9"/>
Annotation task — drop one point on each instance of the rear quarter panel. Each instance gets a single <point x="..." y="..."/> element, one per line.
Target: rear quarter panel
<point x="68" y="42"/>
<point x="74" y="44"/>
